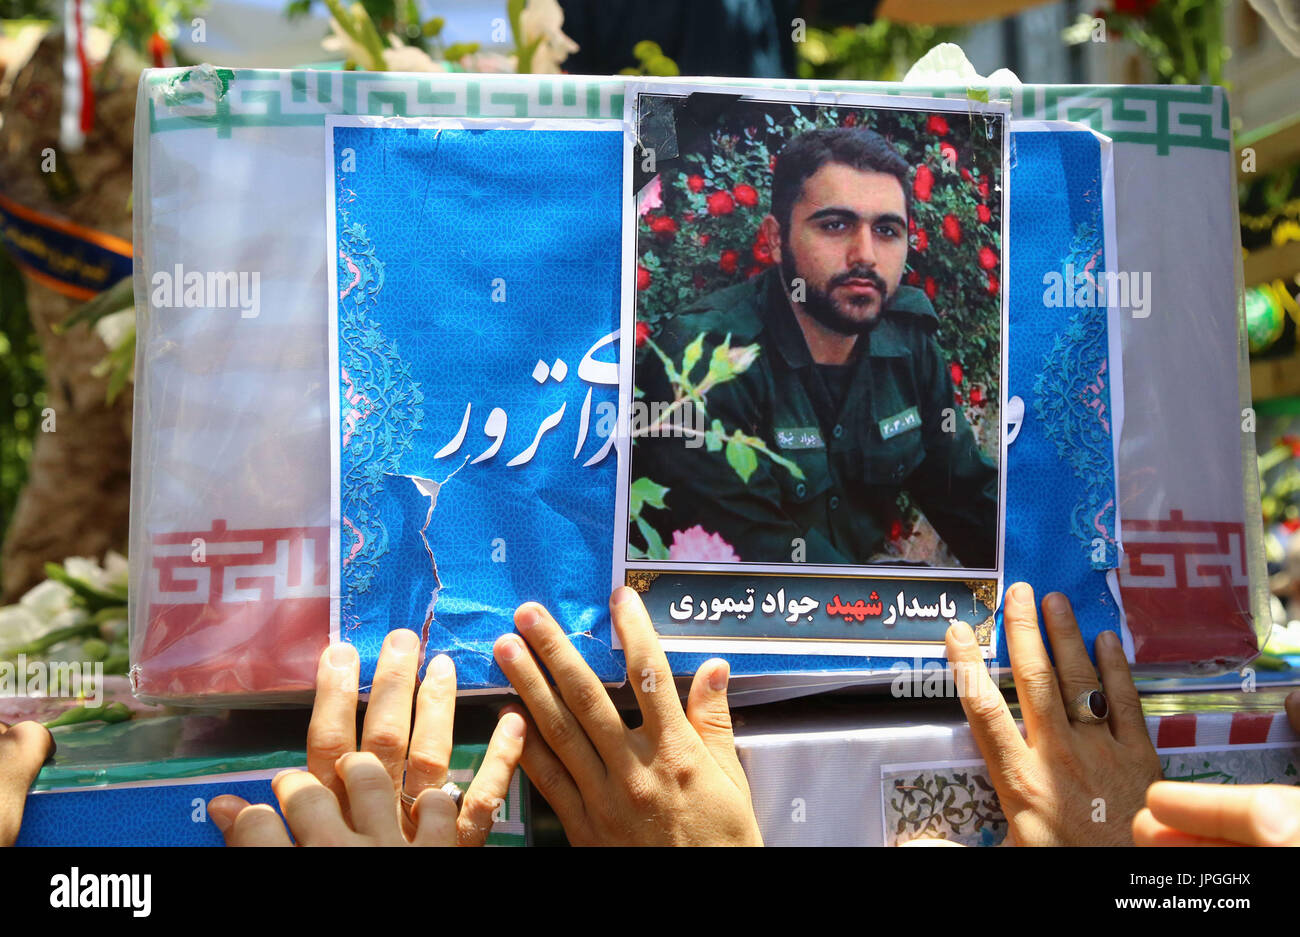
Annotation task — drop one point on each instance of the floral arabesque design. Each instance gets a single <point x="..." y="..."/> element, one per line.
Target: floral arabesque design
<point x="1072" y="402"/>
<point x="379" y="407"/>
<point x="949" y="804"/>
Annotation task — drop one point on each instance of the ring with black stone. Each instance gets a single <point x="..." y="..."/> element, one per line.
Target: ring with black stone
<point x="1089" y="708"/>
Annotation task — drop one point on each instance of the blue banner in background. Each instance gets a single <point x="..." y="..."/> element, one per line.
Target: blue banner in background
<point x="478" y="292"/>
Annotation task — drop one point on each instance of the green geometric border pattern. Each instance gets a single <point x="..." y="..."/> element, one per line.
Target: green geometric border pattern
<point x="222" y="99"/>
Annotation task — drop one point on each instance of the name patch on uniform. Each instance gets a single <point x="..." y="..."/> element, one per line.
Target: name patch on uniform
<point x="900" y="423"/>
<point x="799" y="437"/>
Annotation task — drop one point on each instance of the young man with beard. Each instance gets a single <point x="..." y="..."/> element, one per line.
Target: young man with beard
<point x="849" y="383"/>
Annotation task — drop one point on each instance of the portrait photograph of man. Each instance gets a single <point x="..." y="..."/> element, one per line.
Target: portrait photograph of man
<point x="819" y="339"/>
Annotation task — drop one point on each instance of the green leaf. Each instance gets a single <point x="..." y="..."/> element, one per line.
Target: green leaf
<point x="657" y="550"/>
<point x="458" y="50"/>
<point x="644" y="491"/>
<point x="91" y="597"/>
<point x="121" y="295"/>
<point x="714" y="437"/>
<point x="113" y="712"/>
<point x="669" y="368"/>
<point x="741" y="458"/>
<point x="782" y="461"/>
<point x="719" y="363"/>
<point x="691" y="356"/>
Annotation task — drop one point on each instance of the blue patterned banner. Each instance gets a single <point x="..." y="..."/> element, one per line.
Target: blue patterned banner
<point x="477" y="289"/>
<point x="1061" y="508"/>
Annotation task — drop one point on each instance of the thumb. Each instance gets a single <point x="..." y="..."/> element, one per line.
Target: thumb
<point x="23" y="749"/>
<point x="708" y="712"/>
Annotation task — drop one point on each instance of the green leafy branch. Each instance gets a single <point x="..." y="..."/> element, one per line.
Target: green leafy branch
<point x="725" y="363"/>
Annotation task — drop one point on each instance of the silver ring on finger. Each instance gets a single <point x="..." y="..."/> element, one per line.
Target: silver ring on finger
<point x="451" y="789"/>
<point x="1089" y="708"/>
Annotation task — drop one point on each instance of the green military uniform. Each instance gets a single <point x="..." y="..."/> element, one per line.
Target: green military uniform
<point x="861" y="434"/>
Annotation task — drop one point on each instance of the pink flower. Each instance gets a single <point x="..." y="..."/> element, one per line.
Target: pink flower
<point x="651" y="197"/>
<point x="696" y="545"/>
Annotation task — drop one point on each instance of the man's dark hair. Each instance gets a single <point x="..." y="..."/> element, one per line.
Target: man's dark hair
<point x="855" y="147"/>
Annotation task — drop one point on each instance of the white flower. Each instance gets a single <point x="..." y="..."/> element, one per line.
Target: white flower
<point x="47" y="599"/>
<point x="403" y="58"/>
<point x="541" y="20"/>
<point x="116" y="570"/>
<point x="18" y="626"/>
<point x="86" y="570"/>
<point x="116" y="328"/>
<point x="946" y="64"/>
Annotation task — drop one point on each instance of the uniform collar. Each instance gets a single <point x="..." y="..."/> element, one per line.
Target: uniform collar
<point x="886" y="340"/>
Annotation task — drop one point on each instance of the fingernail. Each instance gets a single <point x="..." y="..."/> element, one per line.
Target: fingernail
<point x="1109" y="641"/>
<point x="513" y="725"/>
<point x="404" y="641"/>
<point x="622" y="594"/>
<point x="527" y="616"/>
<point x="342" y="656"/>
<point x="961" y="634"/>
<point x="54" y="747"/>
<point x="1275" y="817"/>
<point x="1057" y="604"/>
<point x="508" y="648"/>
<point x="218" y="816"/>
<point x="1020" y="592"/>
<point x="442" y="667"/>
<point x="718" y="678"/>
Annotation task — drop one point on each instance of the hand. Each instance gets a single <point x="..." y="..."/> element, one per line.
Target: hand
<point x="1063" y="783"/>
<point x="674" y="780"/>
<point x="339" y="800"/>
<point x="1222" y="814"/>
<point x="23" y="749"/>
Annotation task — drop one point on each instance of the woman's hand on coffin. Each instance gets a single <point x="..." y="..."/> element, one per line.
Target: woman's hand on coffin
<point x="673" y="780"/>
<point x="23" y="749"/>
<point x="1062" y="782"/>
<point x="413" y="754"/>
